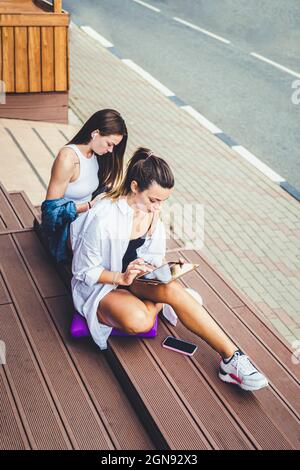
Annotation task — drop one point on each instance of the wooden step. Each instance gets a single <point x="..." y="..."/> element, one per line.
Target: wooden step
<point x="180" y="400"/>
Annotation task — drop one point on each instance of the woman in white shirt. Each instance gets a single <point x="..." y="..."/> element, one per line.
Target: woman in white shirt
<point x="113" y="243"/>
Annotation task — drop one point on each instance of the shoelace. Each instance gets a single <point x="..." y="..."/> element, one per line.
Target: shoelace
<point x="243" y="364"/>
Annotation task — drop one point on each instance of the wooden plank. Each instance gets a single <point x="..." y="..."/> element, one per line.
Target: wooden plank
<point x="83" y="425"/>
<point x="47" y="42"/>
<point x="8" y="54"/>
<point x="25" y="215"/>
<point x="40" y="265"/>
<point x="209" y="412"/>
<point x="21" y="59"/>
<point x="120" y="416"/>
<point x="12" y="434"/>
<point x="61" y="59"/>
<point x="155" y="397"/>
<point x="7" y="213"/>
<point x="262" y="413"/>
<point x="50" y="107"/>
<point x="4" y="295"/>
<point x="57" y="6"/>
<point x="226" y="420"/>
<point x="282" y="353"/>
<point x="24" y="208"/>
<point x="34" y="19"/>
<point x="282" y="383"/>
<point x="34" y="56"/>
<point x="25" y="380"/>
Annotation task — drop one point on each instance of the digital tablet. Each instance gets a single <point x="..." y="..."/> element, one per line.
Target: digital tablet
<point x="167" y="272"/>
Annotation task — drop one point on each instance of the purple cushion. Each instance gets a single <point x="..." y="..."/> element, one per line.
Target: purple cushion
<point x="80" y="328"/>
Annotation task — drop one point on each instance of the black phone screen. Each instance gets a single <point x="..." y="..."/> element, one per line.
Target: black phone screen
<point x="180" y="345"/>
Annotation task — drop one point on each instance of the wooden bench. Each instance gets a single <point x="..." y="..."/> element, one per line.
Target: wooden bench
<point x="64" y="393"/>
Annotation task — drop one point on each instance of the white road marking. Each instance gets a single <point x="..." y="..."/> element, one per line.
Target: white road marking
<point x="203" y="121"/>
<point x="204" y="31"/>
<point x="164" y="90"/>
<point x="275" y="64"/>
<point x="91" y="32"/>
<point x="258" y="164"/>
<point x="147" y="5"/>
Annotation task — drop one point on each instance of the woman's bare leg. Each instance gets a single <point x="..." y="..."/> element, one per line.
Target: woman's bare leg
<point x="191" y="313"/>
<point x="122" y="309"/>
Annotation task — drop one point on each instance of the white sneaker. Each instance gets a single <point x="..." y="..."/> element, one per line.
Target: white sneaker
<point x="240" y="371"/>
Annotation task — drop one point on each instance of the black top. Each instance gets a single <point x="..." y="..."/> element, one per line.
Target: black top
<point x="130" y="253"/>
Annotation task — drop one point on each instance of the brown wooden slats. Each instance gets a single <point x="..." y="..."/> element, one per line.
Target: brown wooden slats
<point x="8" y="56"/>
<point x="217" y="421"/>
<point x="83" y="425"/>
<point x="22" y="208"/>
<point x="34" y="59"/>
<point x="203" y="404"/>
<point x="234" y="328"/>
<point x="262" y="416"/>
<point x="7" y="213"/>
<point x="33" y="19"/>
<point x="57" y="6"/>
<point x="244" y="312"/>
<point x="39" y="265"/>
<point x="21" y="59"/>
<point x="33" y="399"/>
<point x="47" y="45"/>
<point x="170" y="416"/>
<point x="12" y="434"/>
<point x="4" y="295"/>
<point x="281" y="352"/>
<point x="61" y="58"/>
<point x="213" y="414"/>
<point x="124" y="426"/>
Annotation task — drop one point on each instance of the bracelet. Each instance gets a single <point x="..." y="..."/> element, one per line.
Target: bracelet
<point x="89" y="204"/>
<point x="114" y="279"/>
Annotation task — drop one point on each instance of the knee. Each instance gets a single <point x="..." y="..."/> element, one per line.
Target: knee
<point x="172" y="291"/>
<point x="139" y="322"/>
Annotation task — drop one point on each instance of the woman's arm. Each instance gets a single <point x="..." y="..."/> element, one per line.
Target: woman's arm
<point x="61" y="174"/>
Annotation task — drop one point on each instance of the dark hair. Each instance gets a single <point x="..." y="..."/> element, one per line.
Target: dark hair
<point x="144" y="168"/>
<point x="109" y="122"/>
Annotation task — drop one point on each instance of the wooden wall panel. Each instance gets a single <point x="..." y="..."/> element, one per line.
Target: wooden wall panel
<point x="21" y="59"/>
<point x="8" y="44"/>
<point x="34" y="56"/>
<point x="47" y="37"/>
<point x="61" y="58"/>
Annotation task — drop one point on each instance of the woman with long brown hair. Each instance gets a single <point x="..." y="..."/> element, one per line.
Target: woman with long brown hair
<point x="92" y="162"/>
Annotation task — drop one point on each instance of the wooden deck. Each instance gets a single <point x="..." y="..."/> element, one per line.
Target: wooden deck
<point x="60" y="393"/>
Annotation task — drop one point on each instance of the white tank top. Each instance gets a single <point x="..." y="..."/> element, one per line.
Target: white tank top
<point x="80" y="190"/>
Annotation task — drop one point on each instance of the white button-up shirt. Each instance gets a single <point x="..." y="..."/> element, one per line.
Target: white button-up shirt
<point x="99" y="240"/>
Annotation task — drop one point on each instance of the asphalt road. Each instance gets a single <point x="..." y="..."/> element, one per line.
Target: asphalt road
<point x="246" y="97"/>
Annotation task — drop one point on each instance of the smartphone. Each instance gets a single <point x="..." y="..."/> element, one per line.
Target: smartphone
<point x="179" y="345"/>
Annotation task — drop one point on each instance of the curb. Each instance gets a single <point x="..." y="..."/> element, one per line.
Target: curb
<point x="212" y="128"/>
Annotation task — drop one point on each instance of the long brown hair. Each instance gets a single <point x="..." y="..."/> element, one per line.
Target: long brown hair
<point x="145" y="168"/>
<point x="109" y="122"/>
